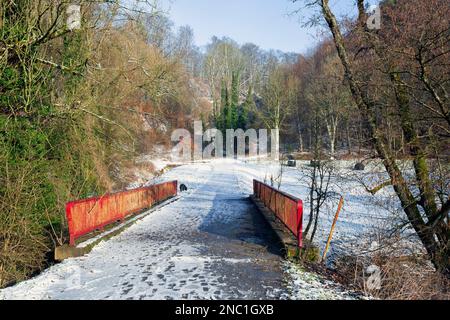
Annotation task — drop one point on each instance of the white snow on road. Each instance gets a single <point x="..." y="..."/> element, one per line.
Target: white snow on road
<point x="193" y="248"/>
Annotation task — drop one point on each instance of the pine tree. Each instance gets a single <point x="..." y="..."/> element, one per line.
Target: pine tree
<point x="203" y="120"/>
<point x="244" y="109"/>
<point x="227" y="111"/>
<point x="215" y="115"/>
<point x="222" y="109"/>
<point x="233" y="112"/>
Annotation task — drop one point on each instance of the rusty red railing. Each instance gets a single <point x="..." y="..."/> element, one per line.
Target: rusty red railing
<point x="88" y="215"/>
<point x="287" y="208"/>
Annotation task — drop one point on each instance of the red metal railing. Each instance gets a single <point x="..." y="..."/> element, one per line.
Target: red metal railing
<point x="287" y="208"/>
<point x="86" y="216"/>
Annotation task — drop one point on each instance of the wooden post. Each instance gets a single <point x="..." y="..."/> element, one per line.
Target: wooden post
<point x="341" y="204"/>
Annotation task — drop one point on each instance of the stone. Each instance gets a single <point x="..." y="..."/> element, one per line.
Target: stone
<point x="359" y="167"/>
<point x="292" y="163"/>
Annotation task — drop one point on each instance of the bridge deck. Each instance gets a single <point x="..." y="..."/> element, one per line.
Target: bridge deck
<point x="210" y="244"/>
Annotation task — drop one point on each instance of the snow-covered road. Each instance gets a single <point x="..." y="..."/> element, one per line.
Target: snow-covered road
<point x="210" y="244"/>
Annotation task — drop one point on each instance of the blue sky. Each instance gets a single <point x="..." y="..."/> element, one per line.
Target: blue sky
<point x="264" y="22"/>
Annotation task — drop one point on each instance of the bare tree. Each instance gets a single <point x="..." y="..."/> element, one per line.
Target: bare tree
<point x="430" y="227"/>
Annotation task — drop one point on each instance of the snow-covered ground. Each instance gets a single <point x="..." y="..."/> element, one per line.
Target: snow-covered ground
<point x="210" y="244"/>
<point x="364" y="219"/>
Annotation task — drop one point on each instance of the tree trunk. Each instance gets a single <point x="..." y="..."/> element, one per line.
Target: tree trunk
<point x="347" y="133"/>
<point x="311" y="205"/>
<point x="360" y="138"/>
<point x="316" y="222"/>
<point x="331" y="136"/>
<point x="300" y="141"/>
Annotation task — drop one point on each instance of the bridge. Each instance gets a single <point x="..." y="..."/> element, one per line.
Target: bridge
<point x="212" y="243"/>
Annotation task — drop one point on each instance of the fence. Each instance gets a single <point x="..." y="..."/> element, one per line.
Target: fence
<point x="287" y="208"/>
<point x="86" y="216"/>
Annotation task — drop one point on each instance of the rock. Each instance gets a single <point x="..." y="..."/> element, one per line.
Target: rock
<point x="292" y="163"/>
<point x="359" y="167"/>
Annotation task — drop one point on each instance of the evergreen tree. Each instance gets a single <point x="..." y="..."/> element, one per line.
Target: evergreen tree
<point x="222" y="109"/>
<point x="215" y="115"/>
<point x="233" y="112"/>
<point x="203" y="120"/>
<point x="226" y="111"/>
<point x="244" y="109"/>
